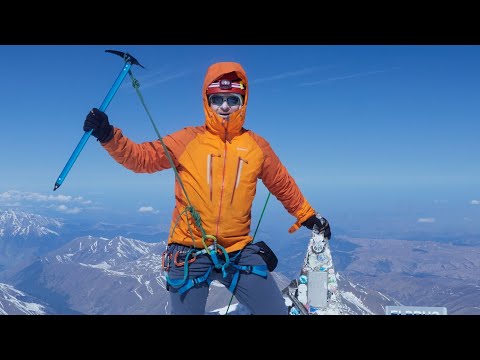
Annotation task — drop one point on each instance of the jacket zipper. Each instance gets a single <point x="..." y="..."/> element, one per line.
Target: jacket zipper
<point x="223" y="183"/>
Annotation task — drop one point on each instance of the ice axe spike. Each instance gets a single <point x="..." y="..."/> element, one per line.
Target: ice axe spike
<point x="129" y="61"/>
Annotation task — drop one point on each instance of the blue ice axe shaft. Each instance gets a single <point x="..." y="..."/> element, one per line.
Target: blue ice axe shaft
<point x="129" y="61"/>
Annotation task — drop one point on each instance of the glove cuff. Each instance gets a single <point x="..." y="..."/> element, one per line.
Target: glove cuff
<point x="107" y="137"/>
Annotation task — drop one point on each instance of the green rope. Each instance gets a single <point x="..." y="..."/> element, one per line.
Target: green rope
<point x="228" y="307"/>
<point x="189" y="209"/>
<point x="255" y="233"/>
<point x="261" y="215"/>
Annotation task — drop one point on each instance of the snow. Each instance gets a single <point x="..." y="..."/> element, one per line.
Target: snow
<point x="149" y="288"/>
<point x="136" y="293"/>
<point x="350" y="297"/>
<point x="234" y="309"/>
<point x="94" y="246"/>
<point x="21" y="224"/>
<point x="103" y="267"/>
<point x="10" y="295"/>
<point x="161" y="280"/>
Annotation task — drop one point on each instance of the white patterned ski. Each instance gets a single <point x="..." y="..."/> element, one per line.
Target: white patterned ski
<point x="324" y="297"/>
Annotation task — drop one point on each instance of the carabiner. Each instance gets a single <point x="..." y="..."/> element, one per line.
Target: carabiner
<point x="181" y="263"/>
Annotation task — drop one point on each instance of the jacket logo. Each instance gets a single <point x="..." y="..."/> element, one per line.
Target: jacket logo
<point x="242" y="149"/>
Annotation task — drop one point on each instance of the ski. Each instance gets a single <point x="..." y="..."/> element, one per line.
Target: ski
<point x="315" y="291"/>
<point x="296" y="307"/>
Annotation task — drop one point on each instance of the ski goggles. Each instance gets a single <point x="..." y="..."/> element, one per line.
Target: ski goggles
<point x="218" y="100"/>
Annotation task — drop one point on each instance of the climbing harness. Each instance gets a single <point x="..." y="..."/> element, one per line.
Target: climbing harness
<point x="184" y="284"/>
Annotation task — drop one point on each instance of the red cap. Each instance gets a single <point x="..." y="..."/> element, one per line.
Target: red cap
<point x="227" y="83"/>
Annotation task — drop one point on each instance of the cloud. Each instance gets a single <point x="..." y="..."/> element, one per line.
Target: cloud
<point x="475" y="202"/>
<point x="350" y="76"/>
<point x="426" y="220"/>
<point x="147" y="209"/>
<point x="65" y="209"/>
<point x="61" y="203"/>
<point x="155" y="79"/>
<point x="288" y="74"/>
<point x="14" y="195"/>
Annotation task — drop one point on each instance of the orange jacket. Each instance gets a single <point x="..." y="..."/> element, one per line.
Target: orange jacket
<point x="219" y="164"/>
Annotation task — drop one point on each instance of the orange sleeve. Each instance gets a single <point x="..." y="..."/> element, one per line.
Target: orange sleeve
<point x="281" y="184"/>
<point x="148" y="157"/>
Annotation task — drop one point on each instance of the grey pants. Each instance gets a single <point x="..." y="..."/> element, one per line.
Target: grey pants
<point x="261" y="295"/>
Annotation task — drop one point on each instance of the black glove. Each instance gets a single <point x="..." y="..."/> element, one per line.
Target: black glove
<point x="319" y="224"/>
<point x="98" y="122"/>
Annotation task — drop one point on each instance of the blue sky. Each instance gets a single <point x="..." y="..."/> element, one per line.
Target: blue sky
<point x="363" y="129"/>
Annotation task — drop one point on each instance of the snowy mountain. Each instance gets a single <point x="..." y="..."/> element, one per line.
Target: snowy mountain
<point x="416" y="273"/>
<point x="410" y="272"/>
<point x="98" y="276"/>
<point x="92" y="250"/>
<point x="122" y="275"/>
<point x="358" y="300"/>
<point x="354" y="298"/>
<point x="95" y="275"/>
<point x="16" y="302"/>
<point x="24" y="235"/>
<point x="18" y="224"/>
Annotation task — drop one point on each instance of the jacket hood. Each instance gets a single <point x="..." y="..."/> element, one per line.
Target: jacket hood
<point x="214" y="123"/>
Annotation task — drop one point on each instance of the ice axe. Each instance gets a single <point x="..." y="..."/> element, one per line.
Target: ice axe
<point x="129" y="61"/>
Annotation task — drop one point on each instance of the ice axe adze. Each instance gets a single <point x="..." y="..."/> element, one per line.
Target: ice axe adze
<point x="129" y="61"/>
